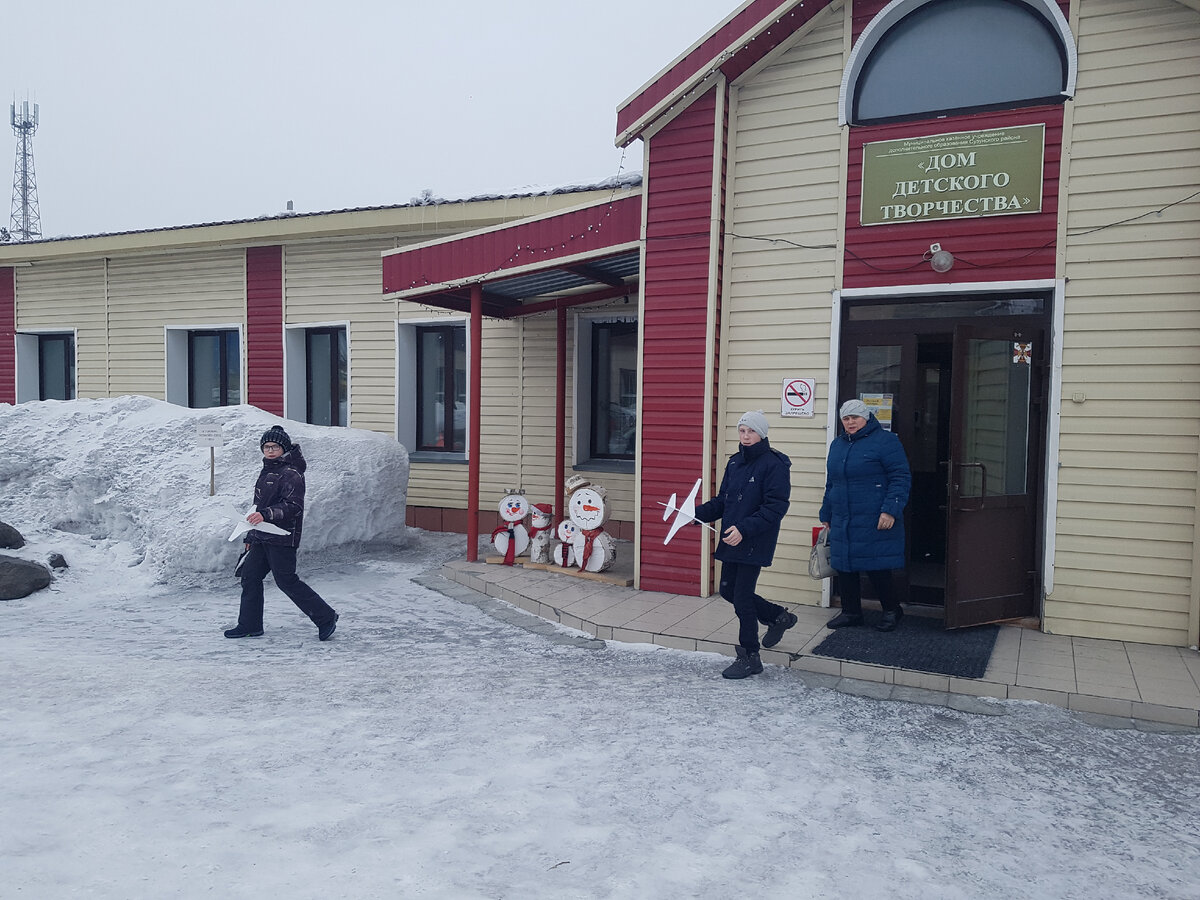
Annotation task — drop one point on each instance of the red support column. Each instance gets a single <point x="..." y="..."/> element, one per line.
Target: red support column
<point x="560" y="414"/>
<point x="473" y="405"/>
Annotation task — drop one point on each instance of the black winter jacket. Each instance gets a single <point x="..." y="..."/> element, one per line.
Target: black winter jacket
<point x="279" y="496"/>
<point x="754" y="496"/>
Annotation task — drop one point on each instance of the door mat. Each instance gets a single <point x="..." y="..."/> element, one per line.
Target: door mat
<point x="917" y="643"/>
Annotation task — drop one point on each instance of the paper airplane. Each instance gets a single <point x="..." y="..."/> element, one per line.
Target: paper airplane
<point x="684" y="515"/>
<point x="241" y="526"/>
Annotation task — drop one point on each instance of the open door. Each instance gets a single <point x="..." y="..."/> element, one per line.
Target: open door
<point x="992" y="488"/>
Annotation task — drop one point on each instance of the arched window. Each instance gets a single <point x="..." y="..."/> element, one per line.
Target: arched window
<point x="926" y="59"/>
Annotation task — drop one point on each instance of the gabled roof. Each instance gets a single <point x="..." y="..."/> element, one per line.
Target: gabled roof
<point x="746" y="36"/>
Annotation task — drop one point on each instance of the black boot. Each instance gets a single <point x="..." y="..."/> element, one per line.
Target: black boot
<point x="746" y="664"/>
<point x="238" y="632"/>
<point x="845" y="620"/>
<point x="325" y="632"/>
<point x="891" y="618"/>
<point x="775" y="630"/>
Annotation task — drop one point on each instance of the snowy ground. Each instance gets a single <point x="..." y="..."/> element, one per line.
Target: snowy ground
<point x="430" y="750"/>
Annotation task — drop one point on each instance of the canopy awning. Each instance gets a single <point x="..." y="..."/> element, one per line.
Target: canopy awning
<point x="577" y="256"/>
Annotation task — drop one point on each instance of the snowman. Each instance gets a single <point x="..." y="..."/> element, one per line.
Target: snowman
<point x="511" y="539"/>
<point x="541" y="520"/>
<point x="564" y="552"/>
<point x="594" y="549"/>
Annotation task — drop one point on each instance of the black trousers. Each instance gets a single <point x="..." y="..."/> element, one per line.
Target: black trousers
<point x="738" y="582"/>
<point x="850" y="589"/>
<point x="281" y="563"/>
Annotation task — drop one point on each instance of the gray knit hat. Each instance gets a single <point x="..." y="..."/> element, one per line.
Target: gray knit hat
<point x="854" y="408"/>
<point x="756" y="421"/>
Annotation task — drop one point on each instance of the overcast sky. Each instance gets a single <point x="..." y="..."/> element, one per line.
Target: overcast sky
<point x="156" y="114"/>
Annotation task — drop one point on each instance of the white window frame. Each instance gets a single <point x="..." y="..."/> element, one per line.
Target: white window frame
<point x="175" y="345"/>
<point x="581" y="402"/>
<point x="29" y="363"/>
<point x="295" y="369"/>
<point x="898" y="9"/>
<point x="406" y="387"/>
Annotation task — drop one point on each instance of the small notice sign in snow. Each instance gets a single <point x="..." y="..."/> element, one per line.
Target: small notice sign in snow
<point x="209" y="436"/>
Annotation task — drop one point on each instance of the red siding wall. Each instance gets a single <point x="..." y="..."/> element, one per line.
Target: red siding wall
<point x="264" y="328"/>
<point x="679" y="189"/>
<point x="8" y="334"/>
<point x="991" y="248"/>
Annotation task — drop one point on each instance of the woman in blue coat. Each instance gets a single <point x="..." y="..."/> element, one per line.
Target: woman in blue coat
<point x="751" y="503"/>
<point x="867" y="482"/>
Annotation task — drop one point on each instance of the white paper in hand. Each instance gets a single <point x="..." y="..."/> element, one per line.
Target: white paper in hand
<point x="241" y="526"/>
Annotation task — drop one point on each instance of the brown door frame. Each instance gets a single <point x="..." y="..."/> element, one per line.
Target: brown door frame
<point x="907" y="333"/>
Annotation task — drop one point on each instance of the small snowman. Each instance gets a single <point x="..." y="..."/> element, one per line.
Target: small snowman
<point x="541" y="520"/>
<point x="511" y="539"/>
<point x="595" y="549"/>
<point x="564" y="552"/>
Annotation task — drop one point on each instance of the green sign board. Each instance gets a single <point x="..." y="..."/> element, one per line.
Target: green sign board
<point x="962" y="175"/>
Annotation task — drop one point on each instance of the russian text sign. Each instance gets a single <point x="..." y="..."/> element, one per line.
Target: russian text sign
<point x="962" y="175"/>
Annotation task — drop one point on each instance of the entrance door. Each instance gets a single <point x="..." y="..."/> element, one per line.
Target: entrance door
<point x="961" y="381"/>
<point x="992" y="492"/>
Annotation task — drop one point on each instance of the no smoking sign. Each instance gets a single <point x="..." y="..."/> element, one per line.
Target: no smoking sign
<point x="798" y="394"/>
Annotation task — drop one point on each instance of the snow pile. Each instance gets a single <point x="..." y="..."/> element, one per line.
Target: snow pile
<point x="128" y="475"/>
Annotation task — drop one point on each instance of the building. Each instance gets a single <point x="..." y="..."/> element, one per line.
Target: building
<point x="981" y="216"/>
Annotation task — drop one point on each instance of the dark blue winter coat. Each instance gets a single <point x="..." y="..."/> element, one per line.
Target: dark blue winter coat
<point x="279" y="496"/>
<point x="866" y="474"/>
<point x="753" y="496"/>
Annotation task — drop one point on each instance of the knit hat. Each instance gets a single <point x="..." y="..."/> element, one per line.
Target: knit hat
<point x="854" y="408"/>
<point x="754" y="420"/>
<point x="276" y="435"/>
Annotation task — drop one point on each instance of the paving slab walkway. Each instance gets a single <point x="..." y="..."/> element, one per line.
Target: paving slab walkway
<point x="1112" y="683"/>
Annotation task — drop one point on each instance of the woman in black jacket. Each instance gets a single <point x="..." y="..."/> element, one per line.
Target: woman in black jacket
<point x="278" y="499"/>
<point x="751" y="503"/>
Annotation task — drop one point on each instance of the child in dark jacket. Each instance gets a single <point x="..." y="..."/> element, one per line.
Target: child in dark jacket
<point x="751" y="503"/>
<point x="278" y="499"/>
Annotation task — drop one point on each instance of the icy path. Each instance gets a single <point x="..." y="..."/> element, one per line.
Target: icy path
<point x="432" y="751"/>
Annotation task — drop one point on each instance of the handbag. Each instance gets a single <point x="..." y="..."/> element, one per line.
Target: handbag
<point x="819" y="567"/>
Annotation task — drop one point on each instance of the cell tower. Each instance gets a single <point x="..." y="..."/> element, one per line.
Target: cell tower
<point x="26" y="222"/>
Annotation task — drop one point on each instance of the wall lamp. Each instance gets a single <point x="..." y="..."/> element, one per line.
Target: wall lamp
<point x="940" y="260"/>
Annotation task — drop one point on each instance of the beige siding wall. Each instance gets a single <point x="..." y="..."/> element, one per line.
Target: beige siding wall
<point x="336" y="281"/>
<point x="785" y="172"/>
<point x="1126" y="516"/>
<point x="517" y="424"/>
<point x="70" y="296"/>
<point x="149" y="293"/>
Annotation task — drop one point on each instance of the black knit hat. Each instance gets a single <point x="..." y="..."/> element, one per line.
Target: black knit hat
<point x="276" y="435"/>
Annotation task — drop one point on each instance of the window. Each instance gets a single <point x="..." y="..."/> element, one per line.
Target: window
<point x="325" y="373"/>
<point x="955" y="56"/>
<point x="606" y="383"/>
<point x="45" y="365"/>
<point x="441" y="401"/>
<point x="214" y="368"/>
<point x="614" y="390"/>
<point x="56" y="367"/>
